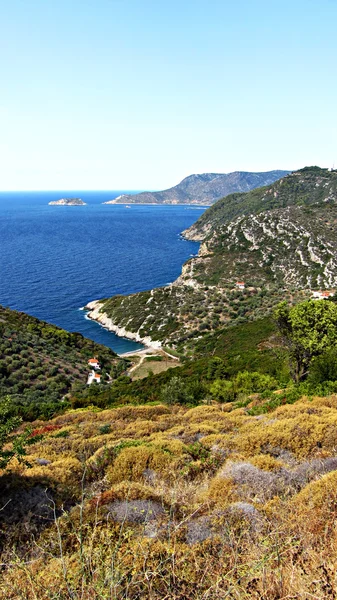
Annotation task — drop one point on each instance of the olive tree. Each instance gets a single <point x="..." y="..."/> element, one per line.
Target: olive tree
<point x="308" y="329"/>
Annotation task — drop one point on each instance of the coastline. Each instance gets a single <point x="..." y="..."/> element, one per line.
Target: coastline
<point x="197" y="206"/>
<point x="93" y="313"/>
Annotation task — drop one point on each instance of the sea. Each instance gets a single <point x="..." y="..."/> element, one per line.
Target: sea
<point x="55" y="259"/>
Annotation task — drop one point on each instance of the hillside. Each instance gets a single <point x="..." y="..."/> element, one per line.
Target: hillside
<point x="203" y="189"/>
<point x="279" y="240"/>
<point x="41" y="363"/>
<point x="215" y="501"/>
<point x="213" y="480"/>
<point x="300" y="188"/>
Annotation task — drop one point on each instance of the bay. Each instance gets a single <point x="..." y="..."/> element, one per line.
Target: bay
<point x="55" y="259"/>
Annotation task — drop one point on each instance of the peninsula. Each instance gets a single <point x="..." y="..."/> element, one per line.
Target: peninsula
<point x="67" y="202"/>
<point x="203" y="189"/>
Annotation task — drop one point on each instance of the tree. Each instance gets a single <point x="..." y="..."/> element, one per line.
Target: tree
<point x="308" y="329"/>
<point x="223" y="390"/>
<point x="324" y="368"/>
<point x="216" y="368"/>
<point x="176" y="392"/>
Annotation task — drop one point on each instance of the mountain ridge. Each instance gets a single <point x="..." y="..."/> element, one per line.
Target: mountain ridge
<point x="203" y="188"/>
<point x="294" y="189"/>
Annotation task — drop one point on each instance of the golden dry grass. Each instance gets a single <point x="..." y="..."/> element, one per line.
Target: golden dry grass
<point x="171" y="502"/>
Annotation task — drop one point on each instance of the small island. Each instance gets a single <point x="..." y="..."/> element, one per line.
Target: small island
<point x="67" y="202"/>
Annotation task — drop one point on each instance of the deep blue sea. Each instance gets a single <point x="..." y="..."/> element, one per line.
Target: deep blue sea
<point x="55" y="259"/>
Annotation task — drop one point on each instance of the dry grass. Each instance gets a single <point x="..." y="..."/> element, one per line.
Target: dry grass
<point x="153" y="367"/>
<point x="176" y="503"/>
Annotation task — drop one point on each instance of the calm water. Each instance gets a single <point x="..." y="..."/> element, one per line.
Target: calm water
<point x="55" y="259"/>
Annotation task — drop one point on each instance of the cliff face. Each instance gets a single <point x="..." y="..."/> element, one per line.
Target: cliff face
<point x="203" y="189"/>
<point x="280" y="240"/>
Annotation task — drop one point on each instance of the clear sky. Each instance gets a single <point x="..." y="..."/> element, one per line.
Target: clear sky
<point x="137" y="94"/>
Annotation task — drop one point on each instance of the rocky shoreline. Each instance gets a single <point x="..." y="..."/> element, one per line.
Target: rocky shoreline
<point x="102" y="318"/>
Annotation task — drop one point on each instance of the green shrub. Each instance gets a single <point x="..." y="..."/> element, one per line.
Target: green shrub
<point x="105" y="428"/>
<point x="250" y="382"/>
<point x="64" y="433"/>
<point x="323" y="368"/>
<point x="223" y="390"/>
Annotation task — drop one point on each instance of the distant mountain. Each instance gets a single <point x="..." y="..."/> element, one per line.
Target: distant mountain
<point x="203" y="189"/>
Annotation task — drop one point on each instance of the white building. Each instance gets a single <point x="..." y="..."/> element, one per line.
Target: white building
<point x="322" y="294"/>
<point x="93" y="377"/>
<point x="93" y="363"/>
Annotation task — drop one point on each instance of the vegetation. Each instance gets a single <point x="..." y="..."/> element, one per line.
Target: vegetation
<point x="41" y="363"/>
<point x="178" y="502"/>
<point x="213" y="480"/>
<point x="10" y="445"/>
<point x="308" y="329"/>
<point x="178" y="315"/>
<point x="194" y="474"/>
<point x="279" y="240"/>
<point x="297" y="189"/>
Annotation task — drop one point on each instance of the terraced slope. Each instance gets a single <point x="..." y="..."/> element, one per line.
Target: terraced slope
<point x="295" y="246"/>
<point x="40" y="363"/>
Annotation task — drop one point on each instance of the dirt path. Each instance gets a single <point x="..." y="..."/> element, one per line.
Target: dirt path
<point x="142" y="358"/>
<point x="146" y="353"/>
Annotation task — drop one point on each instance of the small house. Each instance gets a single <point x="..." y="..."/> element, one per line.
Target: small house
<point x="240" y="285"/>
<point x="93" y="363"/>
<point x="322" y="294"/>
<point x="93" y="376"/>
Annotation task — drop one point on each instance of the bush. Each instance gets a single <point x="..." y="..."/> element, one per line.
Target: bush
<point x="223" y="390"/>
<point x="250" y="382"/>
<point x="323" y="368"/>
<point x="105" y="429"/>
<point x="62" y="434"/>
<point x="176" y="392"/>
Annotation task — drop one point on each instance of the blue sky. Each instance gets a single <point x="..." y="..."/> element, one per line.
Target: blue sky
<point x="137" y="94"/>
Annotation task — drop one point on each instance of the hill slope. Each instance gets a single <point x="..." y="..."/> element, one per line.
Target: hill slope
<point x="301" y="188"/>
<point x="174" y="502"/>
<point x="40" y="363"/>
<point x="280" y="240"/>
<point x="203" y="189"/>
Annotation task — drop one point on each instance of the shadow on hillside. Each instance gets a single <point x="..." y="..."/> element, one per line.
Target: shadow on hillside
<point x="27" y="506"/>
